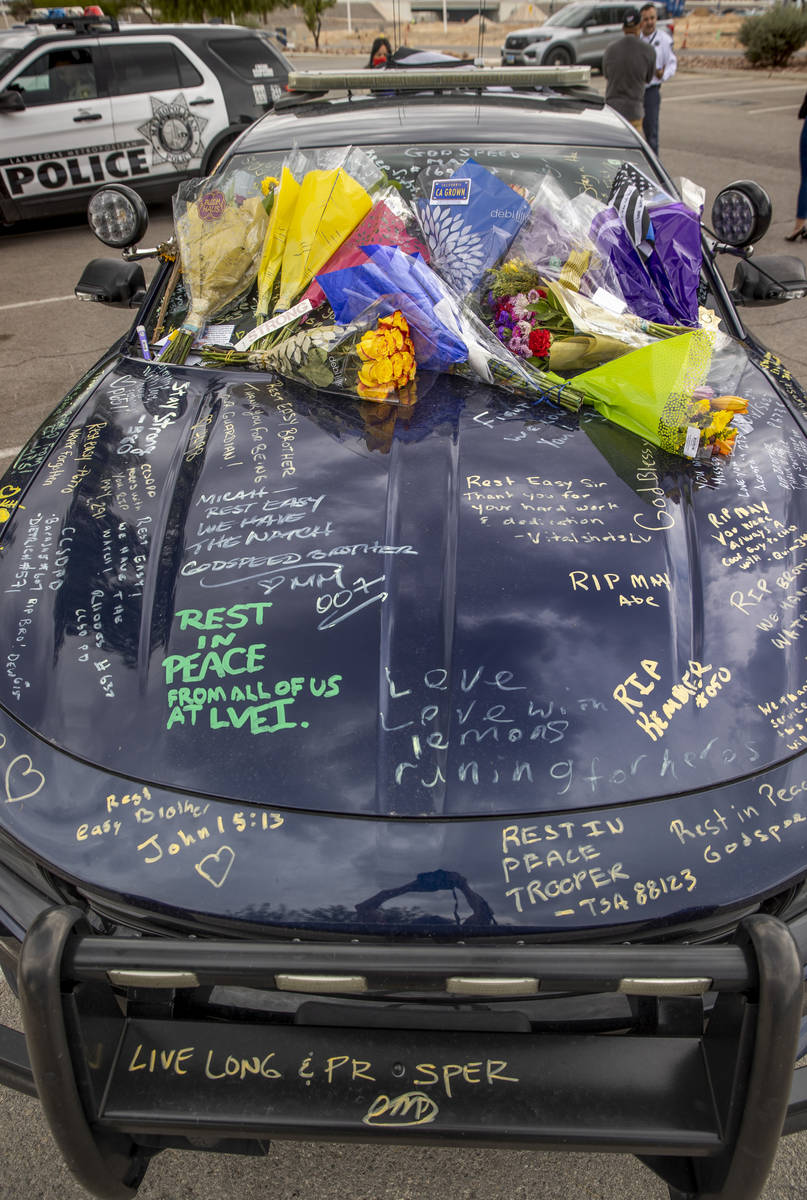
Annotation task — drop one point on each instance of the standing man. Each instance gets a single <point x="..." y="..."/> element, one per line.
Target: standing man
<point x="666" y="64"/>
<point x="628" y="65"/>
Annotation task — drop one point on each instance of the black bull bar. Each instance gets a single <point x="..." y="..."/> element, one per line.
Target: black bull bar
<point x="702" y="1102"/>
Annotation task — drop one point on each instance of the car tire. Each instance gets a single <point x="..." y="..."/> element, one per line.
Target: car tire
<point x="559" y="57"/>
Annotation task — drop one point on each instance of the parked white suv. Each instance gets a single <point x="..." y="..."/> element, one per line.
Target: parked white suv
<point x="576" y="33"/>
<point x="87" y="102"/>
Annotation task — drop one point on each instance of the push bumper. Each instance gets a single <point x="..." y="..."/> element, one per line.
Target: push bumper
<point x="702" y="1102"/>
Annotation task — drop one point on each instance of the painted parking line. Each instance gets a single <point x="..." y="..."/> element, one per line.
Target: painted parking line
<point x="9" y="451"/>
<point x="29" y="303"/>
<point x="753" y="112"/>
<point x="781" y="87"/>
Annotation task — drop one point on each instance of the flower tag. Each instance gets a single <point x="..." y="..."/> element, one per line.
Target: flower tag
<point x="284" y="318"/>
<point x="216" y="335"/>
<point x="692" y="441"/>
<point x="609" y="301"/>
<point x="451" y="191"/>
<point x="211" y="205"/>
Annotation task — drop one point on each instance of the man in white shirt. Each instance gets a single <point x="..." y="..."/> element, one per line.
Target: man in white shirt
<point x="666" y="64"/>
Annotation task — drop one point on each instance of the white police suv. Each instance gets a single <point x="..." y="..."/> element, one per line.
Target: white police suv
<point x="85" y="101"/>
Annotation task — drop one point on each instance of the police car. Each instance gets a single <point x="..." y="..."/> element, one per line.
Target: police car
<point x="340" y="795"/>
<point x="86" y="101"/>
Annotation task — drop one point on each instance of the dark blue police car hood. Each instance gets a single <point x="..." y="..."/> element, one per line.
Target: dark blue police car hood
<point x="255" y="601"/>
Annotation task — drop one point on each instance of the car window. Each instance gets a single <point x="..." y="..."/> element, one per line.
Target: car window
<point x="571" y="17"/>
<point x="250" y="57"/>
<point x="602" y="16"/>
<point x="6" y="57"/>
<point x="67" y="73"/>
<point x="275" y="50"/>
<point x="149" y="67"/>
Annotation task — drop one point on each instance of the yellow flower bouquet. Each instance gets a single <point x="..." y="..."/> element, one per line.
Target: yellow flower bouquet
<point x="219" y="247"/>
<point x="321" y="198"/>
<point x="371" y="359"/>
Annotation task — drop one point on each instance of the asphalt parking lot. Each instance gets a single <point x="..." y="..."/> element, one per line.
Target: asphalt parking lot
<point x="716" y="127"/>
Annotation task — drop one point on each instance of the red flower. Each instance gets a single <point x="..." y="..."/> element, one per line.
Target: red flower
<point x="539" y="342"/>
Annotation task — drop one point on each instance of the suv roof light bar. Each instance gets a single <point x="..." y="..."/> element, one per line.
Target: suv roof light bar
<point x="79" y="25"/>
<point x="431" y="79"/>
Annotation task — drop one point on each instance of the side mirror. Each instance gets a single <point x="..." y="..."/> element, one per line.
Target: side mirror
<point x="771" y="279"/>
<point x="107" y="281"/>
<point x="741" y="213"/>
<point x="11" y="101"/>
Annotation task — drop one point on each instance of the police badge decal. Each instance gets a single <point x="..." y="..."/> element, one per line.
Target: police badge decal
<point x="174" y="132"/>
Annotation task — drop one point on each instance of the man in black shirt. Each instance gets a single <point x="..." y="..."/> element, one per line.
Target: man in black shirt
<point x="628" y="65"/>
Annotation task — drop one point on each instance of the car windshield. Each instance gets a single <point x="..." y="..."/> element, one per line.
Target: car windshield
<point x="585" y="170"/>
<point x="571" y="17"/>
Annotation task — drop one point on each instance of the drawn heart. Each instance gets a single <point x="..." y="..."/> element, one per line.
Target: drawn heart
<point x="28" y="774"/>
<point x="270" y="585"/>
<point x="216" y="867"/>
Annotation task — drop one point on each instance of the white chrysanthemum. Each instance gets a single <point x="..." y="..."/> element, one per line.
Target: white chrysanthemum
<point x="458" y="253"/>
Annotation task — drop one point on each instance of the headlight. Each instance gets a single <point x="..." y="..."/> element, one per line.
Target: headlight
<point x="117" y="216"/>
<point x="741" y="213"/>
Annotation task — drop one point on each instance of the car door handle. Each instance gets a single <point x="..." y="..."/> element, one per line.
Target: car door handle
<point x="87" y="117"/>
<point x="205" y="100"/>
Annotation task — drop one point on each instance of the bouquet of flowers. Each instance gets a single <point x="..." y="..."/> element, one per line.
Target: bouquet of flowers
<point x="390" y="222"/>
<point x="614" y="245"/>
<point x="219" y="244"/>
<point x="667" y="233"/>
<point x="372" y="359"/>
<point x="544" y="320"/>
<point x="274" y="243"/>
<point x="333" y="199"/>
<point x="555" y="241"/>
<point x="660" y="392"/>
<point x="469" y="221"/>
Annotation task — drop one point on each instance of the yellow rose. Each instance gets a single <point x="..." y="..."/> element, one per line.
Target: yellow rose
<point x="387" y="358"/>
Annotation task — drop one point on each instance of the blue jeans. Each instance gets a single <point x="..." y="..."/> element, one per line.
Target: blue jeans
<point x="652" y="104"/>
<point x="801" y="206"/>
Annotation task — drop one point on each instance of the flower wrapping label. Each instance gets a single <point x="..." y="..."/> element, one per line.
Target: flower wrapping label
<point x="450" y="191"/>
<point x="692" y="441"/>
<point x="607" y="300"/>
<point x="211" y="206"/>
<point x="284" y="318"/>
<point x="216" y="335"/>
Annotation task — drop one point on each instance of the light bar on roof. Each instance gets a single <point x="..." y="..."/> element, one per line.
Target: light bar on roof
<point x="428" y="79"/>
